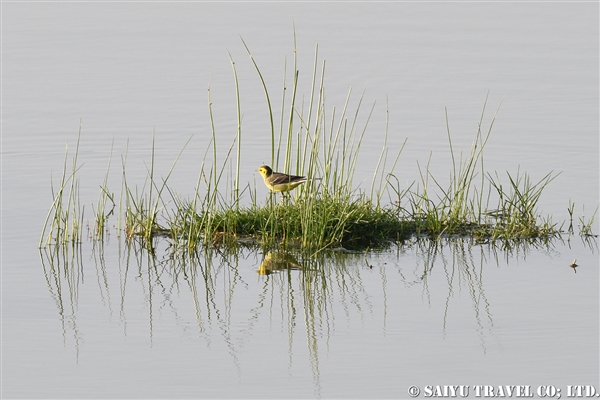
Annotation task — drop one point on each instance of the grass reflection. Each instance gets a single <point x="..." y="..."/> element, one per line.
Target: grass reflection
<point x="235" y="299"/>
<point x="63" y="271"/>
<point x="462" y="270"/>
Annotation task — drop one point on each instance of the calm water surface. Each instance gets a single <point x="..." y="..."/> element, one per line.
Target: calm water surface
<point x="107" y="321"/>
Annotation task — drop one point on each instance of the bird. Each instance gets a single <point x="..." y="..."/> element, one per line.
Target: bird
<point x="279" y="182"/>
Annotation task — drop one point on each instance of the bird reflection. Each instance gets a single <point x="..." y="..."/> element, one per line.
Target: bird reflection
<point x="278" y="261"/>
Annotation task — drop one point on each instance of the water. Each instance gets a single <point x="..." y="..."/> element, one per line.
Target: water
<point x="109" y="325"/>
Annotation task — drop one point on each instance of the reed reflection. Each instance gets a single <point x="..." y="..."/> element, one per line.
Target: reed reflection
<point x="307" y="292"/>
<point x="63" y="271"/>
<point x="462" y="269"/>
<point x="233" y="298"/>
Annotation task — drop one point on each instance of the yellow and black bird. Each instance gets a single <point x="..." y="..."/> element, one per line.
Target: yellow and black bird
<point x="278" y="182"/>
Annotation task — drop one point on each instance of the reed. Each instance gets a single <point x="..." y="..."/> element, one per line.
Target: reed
<point x="517" y="212"/>
<point x="64" y="221"/>
<point x="101" y="215"/>
<point x="586" y="228"/>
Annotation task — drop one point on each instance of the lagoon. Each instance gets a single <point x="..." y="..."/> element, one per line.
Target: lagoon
<point x="109" y="321"/>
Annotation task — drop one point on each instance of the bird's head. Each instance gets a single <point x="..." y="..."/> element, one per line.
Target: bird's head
<point x="265" y="171"/>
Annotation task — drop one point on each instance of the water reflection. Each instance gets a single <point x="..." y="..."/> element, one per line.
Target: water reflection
<point x="278" y="261"/>
<point x="225" y="299"/>
<point x="462" y="270"/>
<point x="63" y="271"/>
<point x="304" y="293"/>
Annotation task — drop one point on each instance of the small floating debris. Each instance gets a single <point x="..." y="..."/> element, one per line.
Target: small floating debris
<point x="574" y="265"/>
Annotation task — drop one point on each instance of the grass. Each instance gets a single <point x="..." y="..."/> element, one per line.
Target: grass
<point x="316" y="141"/>
<point x="64" y="222"/>
<point x="100" y="214"/>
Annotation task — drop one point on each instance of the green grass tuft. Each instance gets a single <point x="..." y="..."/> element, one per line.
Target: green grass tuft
<point x="325" y="213"/>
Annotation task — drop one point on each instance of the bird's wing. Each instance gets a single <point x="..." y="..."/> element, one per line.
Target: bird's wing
<point x="283" y="178"/>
